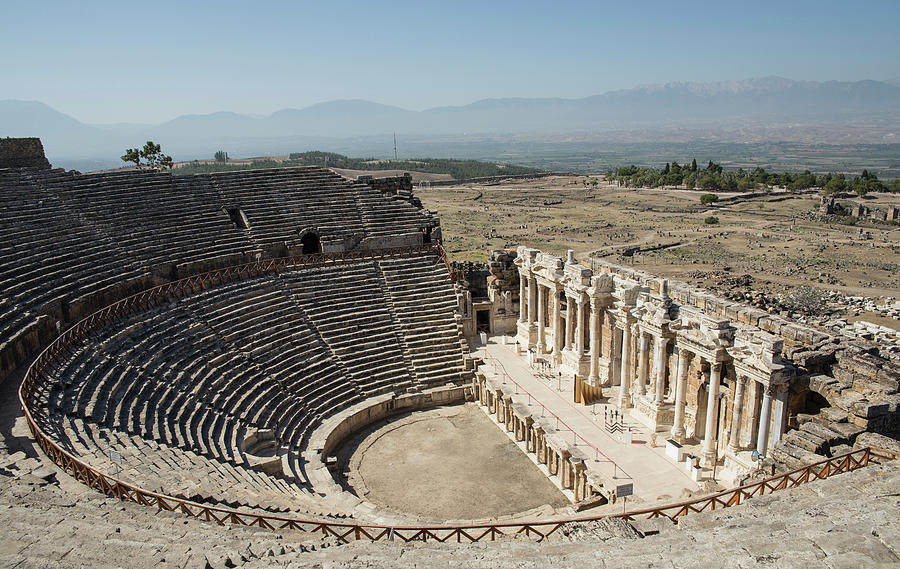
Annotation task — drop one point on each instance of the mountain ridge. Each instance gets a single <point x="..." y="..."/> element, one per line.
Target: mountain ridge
<point x="761" y="101"/>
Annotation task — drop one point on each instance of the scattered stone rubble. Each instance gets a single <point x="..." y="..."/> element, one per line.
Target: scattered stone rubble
<point x="833" y="314"/>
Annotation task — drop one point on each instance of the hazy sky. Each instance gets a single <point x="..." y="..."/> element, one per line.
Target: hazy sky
<point x="152" y="61"/>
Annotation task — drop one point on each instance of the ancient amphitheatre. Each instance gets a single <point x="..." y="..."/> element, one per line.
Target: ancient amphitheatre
<point x="194" y="353"/>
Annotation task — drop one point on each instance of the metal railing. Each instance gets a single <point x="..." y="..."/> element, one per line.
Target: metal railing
<point x="455" y="275"/>
<point x="30" y="398"/>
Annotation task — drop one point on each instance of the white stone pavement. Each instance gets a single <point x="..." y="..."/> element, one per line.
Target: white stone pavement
<point x="653" y="474"/>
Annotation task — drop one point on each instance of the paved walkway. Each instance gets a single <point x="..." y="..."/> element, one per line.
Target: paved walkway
<point x="652" y="473"/>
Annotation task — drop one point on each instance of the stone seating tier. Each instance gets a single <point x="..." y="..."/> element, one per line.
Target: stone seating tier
<point x="69" y="236"/>
<point x="185" y="474"/>
<point x="279" y="352"/>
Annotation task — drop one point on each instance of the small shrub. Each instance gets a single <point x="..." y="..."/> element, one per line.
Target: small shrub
<point x="806" y="300"/>
<point x="711" y="220"/>
<point x="708" y="198"/>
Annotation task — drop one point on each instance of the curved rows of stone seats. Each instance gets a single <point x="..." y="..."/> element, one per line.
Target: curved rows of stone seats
<point x="431" y="342"/>
<point x="182" y="385"/>
<point x="185" y="474"/>
<point x="73" y="242"/>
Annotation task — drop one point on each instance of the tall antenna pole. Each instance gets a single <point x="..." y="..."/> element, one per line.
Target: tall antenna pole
<point x="395" y="147"/>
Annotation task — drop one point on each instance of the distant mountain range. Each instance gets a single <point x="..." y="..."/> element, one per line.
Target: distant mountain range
<point x="729" y="104"/>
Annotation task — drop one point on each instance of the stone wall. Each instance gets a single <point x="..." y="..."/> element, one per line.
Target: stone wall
<point x="399" y="186"/>
<point x="334" y="431"/>
<point x="23" y="153"/>
<point x="494" y="286"/>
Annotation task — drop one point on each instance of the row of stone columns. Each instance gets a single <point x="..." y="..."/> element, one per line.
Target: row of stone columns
<point x="646" y="380"/>
<point x="569" y="336"/>
<point x="772" y="414"/>
<point x="709" y="441"/>
<point x="569" y="470"/>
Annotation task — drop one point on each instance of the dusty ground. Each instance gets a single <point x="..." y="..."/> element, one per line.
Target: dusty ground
<point x="772" y="239"/>
<point x="453" y="463"/>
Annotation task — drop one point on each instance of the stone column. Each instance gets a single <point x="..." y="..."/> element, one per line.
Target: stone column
<point x="765" y="415"/>
<point x="567" y="471"/>
<point x="523" y="304"/>
<point x="625" y="374"/>
<point x="740" y="386"/>
<point x="651" y="374"/>
<point x="643" y="348"/>
<point x="662" y="368"/>
<point x="532" y="301"/>
<point x="539" y="445"/>
<point x="712" y="415"/>
<point x="541" y="346"/>
<point x="752" y="413"/>
<point x="579" y="329"/>
<point x="781" y="413"/>
<point x="555" y="329"/>
<point x="594" y="378"/>
<point x="570" y="308"/>
<point x="680" y="391"/>
<point x="580" y="493"/>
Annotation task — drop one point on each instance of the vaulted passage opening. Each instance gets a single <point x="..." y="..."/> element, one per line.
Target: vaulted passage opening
<point x="311" y="244"/>
<point x="237" y="218"/>
<point x="483" y="320"/>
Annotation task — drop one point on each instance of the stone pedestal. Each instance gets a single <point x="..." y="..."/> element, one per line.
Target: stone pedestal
<point x="526" y="334"/>
<point x="655" y="416"/>
<point x="572" y="364"/>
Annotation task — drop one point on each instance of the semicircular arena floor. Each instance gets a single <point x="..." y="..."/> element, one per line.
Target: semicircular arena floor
<point x="446" y="463"/>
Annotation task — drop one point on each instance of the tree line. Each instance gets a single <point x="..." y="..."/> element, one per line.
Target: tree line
<point x="715" y="178"/>
<point x="457" y="169"/>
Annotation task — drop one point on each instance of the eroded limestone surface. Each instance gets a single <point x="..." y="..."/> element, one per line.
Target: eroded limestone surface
<point x="846" y="521"/>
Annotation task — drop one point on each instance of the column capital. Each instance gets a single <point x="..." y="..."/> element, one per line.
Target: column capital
<point x="685" y="353"/>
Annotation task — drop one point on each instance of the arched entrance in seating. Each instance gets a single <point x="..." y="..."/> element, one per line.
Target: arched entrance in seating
<point x="310" y="243"/>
